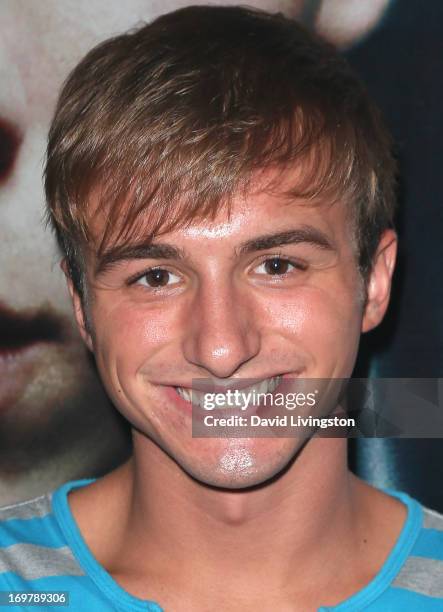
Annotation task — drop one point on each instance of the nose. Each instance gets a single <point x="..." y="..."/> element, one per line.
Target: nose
<point x="222" y="334"/>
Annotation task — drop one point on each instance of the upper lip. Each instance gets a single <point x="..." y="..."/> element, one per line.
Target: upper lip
<point x="19" y="329"/>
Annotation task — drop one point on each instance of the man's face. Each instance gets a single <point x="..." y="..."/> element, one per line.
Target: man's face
<point x="229" y="298"/>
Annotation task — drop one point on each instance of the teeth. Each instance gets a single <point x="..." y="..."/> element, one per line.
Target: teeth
<point x="198" y="397"/>
<point x="184" y="393"/>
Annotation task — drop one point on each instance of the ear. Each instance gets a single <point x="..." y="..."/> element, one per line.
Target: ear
<point x="77" y="304"/>
<point x="380" y="280"/>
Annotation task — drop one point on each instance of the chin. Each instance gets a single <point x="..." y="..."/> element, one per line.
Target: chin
<point x="239" y="463"/>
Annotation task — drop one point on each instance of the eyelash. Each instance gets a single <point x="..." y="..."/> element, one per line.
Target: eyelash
<point x="298" y="265"/>
<point x="134" y="279"/>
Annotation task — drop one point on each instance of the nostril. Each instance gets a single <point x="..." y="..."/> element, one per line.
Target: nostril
<point x="10" y="140"/>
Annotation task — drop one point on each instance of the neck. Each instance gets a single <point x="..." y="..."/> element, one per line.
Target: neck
<point x="179" y="542"/>
<point x="300" y="517"/>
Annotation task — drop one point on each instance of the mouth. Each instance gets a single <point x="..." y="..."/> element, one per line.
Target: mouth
<point x="19" y="331"/>
<point x="231" y="395"/>
<point x="24" y="337"/>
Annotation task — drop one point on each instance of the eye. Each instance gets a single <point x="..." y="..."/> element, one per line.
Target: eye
<point x="277" y="266"/>
<point x="157" y="277"/>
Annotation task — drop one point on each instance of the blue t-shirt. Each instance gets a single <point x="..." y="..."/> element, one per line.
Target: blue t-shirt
<point x="41" y="549"/>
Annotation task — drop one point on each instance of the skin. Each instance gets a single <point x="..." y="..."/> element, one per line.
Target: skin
<point x="214" y="508"/>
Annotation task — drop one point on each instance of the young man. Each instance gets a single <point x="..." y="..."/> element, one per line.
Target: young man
<point x="222" y="190"/>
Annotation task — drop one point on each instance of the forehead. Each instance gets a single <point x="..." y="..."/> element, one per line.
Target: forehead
<point x="257" y="213"/>
<point x="268" y="199"/>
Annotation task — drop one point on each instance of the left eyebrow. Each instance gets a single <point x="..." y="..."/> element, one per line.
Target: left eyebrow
<point x="306" y="233"/>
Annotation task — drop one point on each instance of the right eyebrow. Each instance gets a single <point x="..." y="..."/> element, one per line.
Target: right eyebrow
<point x="117" y="255"/>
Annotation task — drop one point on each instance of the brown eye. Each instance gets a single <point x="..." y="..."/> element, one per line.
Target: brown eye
<point x="157" y="277"/>
<point x="276" y="266"/>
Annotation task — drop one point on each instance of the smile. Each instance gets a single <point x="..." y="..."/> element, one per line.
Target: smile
<point x="228" y="397"/>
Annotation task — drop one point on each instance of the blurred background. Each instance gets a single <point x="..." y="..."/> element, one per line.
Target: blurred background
<point x="55" y="420"/>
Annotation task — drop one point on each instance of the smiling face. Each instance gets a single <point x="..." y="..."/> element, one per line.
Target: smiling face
<point x="273" y="290"/>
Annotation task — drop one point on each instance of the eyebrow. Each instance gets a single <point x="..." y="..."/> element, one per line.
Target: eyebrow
<point x="137" y="251"/>
<point x="304" y="234"/>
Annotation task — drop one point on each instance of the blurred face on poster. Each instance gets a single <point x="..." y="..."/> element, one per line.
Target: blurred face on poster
<point x="55" y="420"/>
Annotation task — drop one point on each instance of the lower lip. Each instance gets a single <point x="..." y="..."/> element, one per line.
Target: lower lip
<point x="16" y="371"/>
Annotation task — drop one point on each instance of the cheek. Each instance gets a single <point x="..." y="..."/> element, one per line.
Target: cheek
<point x="325" y="324"/>
<point x="311" y="309"/>
<point x="128" y="337"/>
